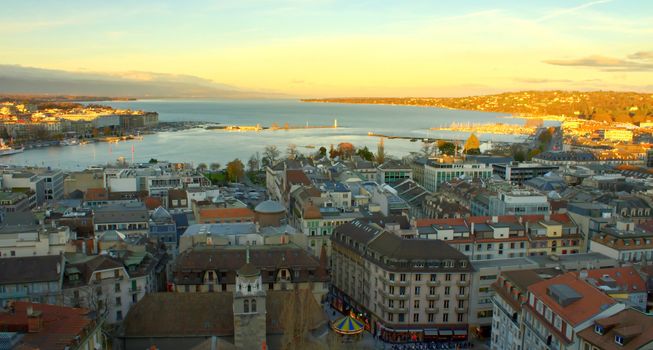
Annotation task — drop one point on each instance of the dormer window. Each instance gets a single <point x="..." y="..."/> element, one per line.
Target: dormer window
<point x="598" y="329"/>
<point x="619" y="339"/>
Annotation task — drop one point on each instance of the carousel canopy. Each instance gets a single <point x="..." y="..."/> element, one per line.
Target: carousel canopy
<point x="348" y="326"/>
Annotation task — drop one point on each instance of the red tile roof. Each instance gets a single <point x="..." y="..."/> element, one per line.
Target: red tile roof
<point x="591" y="303"/>
<point x="626" y="278"/>
<point x="296" y="177"/>
<point x="152" y="203"/>
<point x="96" y="194"/>
<point x="60" y="325"/>
<point x="225" y="213"/>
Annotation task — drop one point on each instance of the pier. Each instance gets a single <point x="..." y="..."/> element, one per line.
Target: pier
<point x="273" y="127"/>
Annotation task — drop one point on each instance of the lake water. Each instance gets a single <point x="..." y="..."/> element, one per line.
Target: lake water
<point x="199" y="145"/>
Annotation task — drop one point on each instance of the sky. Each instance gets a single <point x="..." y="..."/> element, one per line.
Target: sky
<point x="331" y="48"/>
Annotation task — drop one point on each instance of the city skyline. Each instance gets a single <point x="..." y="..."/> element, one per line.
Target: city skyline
<point x="334" y="48"/>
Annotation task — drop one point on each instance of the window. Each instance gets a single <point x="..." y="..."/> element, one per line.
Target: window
<point x="431" y="317"/>
<point x="445" y="317"/>
<point x="402" y="277"/>
<point x="391" y="277"/>
<point x="433" y="277"/>
<point x="416" y="304"/>
<point x="445" y="304"/>
<point x="539" y="307"/>
<point x="119" y="315"/>
<point x="598" y="329"/>
<point x="417" y="290"/>
<point x="619" y="339"/>
<point x="418" y="277"/>
<point x="461" y="317"/>
<point x="391" y="317"/>
<point x="447" y="277"/>
<point x="431" y="290"/>
<point x="401" y="318"/>
<point x="463" y="277"/>
<point x="461" y="303"/>
<point x="415" y="317"/>
<point x="253" y="305"/>
<point x="431" y="304"/>
<point x="118" y="301"/>
<point x="402" y="290"/>
<point x="447" y="290"/>
<point x="557" y="322"/>
<point x="117" y="287"/>
<point x="246" y="306"/>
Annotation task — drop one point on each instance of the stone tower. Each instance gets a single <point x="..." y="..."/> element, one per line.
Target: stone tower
<point x="249" y="308"/>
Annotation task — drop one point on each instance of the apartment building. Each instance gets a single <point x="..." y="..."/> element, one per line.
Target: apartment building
<point x="519" y="172"/>
<point x="439" y="171"/>
<point x="624" y="242"/>
<point x="402" y="289"/>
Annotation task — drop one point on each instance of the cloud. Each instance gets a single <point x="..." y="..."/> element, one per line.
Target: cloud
<point x="642" y="55"/>
<point x="637" y="62"/>
<point x="568" y="10"/>
<point x="541" y="81"/>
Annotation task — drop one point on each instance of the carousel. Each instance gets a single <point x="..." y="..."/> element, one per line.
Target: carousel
<point x="349" y="328"/>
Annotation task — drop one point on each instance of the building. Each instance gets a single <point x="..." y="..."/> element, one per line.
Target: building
<point x="623" y="284"/>
<point x="625" y="330"/>
<point x="283" y="267"/>
<point x="624" y="242"/>
<point x="649" y="158"/>
<point x="515" y="202"/>
<point x="36" y="278"/>
<point x="510" y="297"/>
<point x="223" y="215"/>
<point x="28" y="325"/>
<point x="33" y="240"/>
<point x="590" y="218"/>
<point x="622" y="135"/>
<point x="559" y="308"/>
<point x="438" y="171"/>
<point x="486" y="273"/>
<point x="392" y="172"/>
<point x="519" y="172"/>
<point x="556" y="234"/>
<point x="24" y="181"/>
<point x="13" y="202"/>
<point x="82" y="181"/>
<point x="402" y="289"/>
<point x="53" y="181"/>
<point x="163" y="227"/>
<point x="129" y="217"/>
<point x="171" y="321"/>
<point x="110" y="284"/>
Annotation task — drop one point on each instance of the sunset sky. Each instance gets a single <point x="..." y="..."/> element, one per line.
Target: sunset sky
<point x="344" y="48"/>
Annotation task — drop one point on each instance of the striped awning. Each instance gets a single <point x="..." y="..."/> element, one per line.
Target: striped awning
<point x="348" y="325"/>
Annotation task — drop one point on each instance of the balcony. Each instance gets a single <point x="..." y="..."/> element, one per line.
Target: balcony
<point x="433" y="297"/>
<point x="462" y="296"/>
<point x="135" y="290"/>
<point x="432" y="310"/>
<point x="462" y="283"/>
<point x="400" y="296"/>
<point x="435" y="283"/>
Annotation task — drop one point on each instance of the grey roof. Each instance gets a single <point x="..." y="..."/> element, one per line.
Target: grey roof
<point x="160" y="214"/>
<point x="127" y="212"/>
<point x="30" y="269"/>
<point x="270" y="207"/>
<point x="221" y="229"/>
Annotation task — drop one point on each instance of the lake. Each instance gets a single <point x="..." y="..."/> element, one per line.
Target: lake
<point x="200" y="145"/>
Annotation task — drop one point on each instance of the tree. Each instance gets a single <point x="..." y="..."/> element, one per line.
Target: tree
<point x="270" y="154"/>
<point x="323" y="152"/>
<point x="153" y="161"/>
<point x="472" y="143"/>
<point x="447" y="148"/>
<point x="215" y="166"/>
<point x="333" y="153"/>
<point x="427" y="149"/>
<point x="380" y="152"/>
<point x="235" y="170"/>
<point x="365" y="153"/>
<point x="90" y="297"/>
<point x="253" y="163"/>
<point x="292" y="151"/>
<point x="346" y="149"/>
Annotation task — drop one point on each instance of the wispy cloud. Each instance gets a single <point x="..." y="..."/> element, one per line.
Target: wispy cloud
<point x="569" y="10"/>
<point x="636" y="62"/>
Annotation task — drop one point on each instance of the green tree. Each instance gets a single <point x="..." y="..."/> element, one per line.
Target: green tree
<point x="153" y="161"/>
<point x="447" y="148"/>
<point x="215" y="166"/>
<point x="322" y="152"/>
<point x="365" y="153"/>
<point x="201" y="167"/>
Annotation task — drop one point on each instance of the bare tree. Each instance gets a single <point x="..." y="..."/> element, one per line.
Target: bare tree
<point x="215" y="166"/>
<point x="292" y="151"/>
<point x="271" y="153"/>
<point x="253" y="163"/>
<point x="380" y="152"/>
<point x="90" y="297"/>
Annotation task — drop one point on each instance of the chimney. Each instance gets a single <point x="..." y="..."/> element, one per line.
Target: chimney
<point x="471" y="228"/>
<point x="34" y="320"/>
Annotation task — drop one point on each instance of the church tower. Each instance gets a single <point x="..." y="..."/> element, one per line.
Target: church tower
<point x="249" y="308"/>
